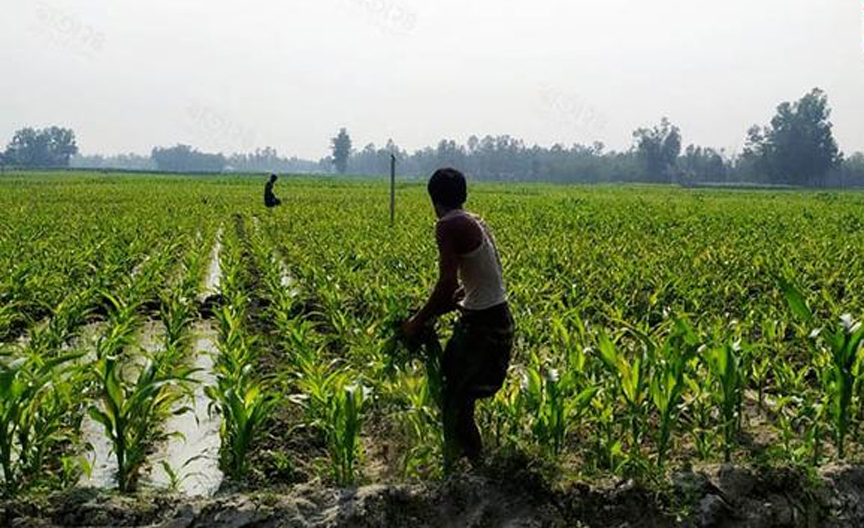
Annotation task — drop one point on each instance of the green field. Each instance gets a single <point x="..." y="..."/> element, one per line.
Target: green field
<point x="657" y="327"/>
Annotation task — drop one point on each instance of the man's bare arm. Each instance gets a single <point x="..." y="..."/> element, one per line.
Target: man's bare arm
<point x="441" y="300"/>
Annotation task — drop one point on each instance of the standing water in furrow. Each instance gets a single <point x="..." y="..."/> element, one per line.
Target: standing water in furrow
<point x="143" y="351"/>
<point x="212" y="283"/>
<point x="107" y="339"/>
<point x="189" y="463"/>
<point x="101" y="464"/>
<point x="288" y="281"/>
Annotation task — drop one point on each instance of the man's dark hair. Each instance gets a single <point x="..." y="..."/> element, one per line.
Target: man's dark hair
<point x="273" y="177"/>
<point x="447" y="187"/>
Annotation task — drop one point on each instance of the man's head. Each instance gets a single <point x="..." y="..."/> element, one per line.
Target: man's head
<point x="448" y="190"/>
<point x="273" y="177"/>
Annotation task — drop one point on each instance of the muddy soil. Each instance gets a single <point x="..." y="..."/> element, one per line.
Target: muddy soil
<point x="719" y="496"/>
<point x="469" y="501"/>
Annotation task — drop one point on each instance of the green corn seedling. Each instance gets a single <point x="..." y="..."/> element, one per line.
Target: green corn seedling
<point x="840" y="371"/>
<point x="132" y="411"/>
<point x="668" y="381"/>
<point x="724" y="366"/>
<point x="343" y="434"/>
<point x="245" y="405"/>
<point x="555" y="403"/>
<point x="844" y="371"/>
<point x="632" y="379"/>
<point x="35" y="397"/>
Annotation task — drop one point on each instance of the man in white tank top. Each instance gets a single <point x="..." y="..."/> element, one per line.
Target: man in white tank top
<point x="476" y="358"/>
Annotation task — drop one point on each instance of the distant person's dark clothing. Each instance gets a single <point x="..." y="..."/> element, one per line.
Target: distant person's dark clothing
<point x="270" y="199"/>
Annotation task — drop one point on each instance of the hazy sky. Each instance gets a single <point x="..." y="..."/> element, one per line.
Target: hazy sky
<point x="228" y="75"/>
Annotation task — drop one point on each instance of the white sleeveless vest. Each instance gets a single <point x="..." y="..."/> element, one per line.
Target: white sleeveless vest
<point x="480" y="271"/>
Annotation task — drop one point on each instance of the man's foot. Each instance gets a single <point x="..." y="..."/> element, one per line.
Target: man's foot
<point x="460" y="466"/>
<point x="478" y="463"/>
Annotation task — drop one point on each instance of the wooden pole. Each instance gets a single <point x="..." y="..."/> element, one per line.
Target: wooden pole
<point x="392" y="190"/>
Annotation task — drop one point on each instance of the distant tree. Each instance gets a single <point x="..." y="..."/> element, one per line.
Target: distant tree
<point x="798" y="147"/>
<point x="341" y="147"/>
<point x="852" y="171"/>
<point x="702" y="164"/>
<point x="658" y="149"/>
<point x="183" y="158"/>
<point x="129" y="161"/>
<point x="51" y="147"/>
<point x="371" y="160"/>
<point x="473" y="143"/>
<point x="269" y="160"/>
<point x="450" y="154"/>
<point x="393" y="148"/>
<point x="754" y="162"/>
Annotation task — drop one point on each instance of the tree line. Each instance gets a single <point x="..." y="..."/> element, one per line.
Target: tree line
<point x="796" y="148"/>
<point x="184" y="158"/>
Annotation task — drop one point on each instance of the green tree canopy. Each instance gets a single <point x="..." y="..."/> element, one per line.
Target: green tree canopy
<point x="658" y="149"/>
<point x="51" y="147"/>
<point x="183" y="158"/>
<point x="798" y="147"/>
<point x="341" y="146"/>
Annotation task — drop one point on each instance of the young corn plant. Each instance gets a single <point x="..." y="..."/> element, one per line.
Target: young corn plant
<point x="134" y="396"/>
<point x="72" y="311"/>
<point x="840" y="360"/>
<point x="764" y="363"/>
<point x="132" y="408"/>
<point x="799" y="408"/>
<point x="699" y="401"/>
<point x="812" y="420"/>
<point x="632" y="379"/>
<point x="421" y="420"/>
<point x="555" y="403"/>
<point x="556" y="399"/>
<point x="416" y="382"/>
<point x="245" y="404"/>
<point x="668" y="382"/>
<point x="724" y="368"/>
<point x="345" y="410"/>
<point x="177" y="313"/>
<point x="36" y="396"/>
<point x="608" y="447"/>
<point x="334" y="406"/>
<point x="244" y="401"/>
<point x="841" y="376"/>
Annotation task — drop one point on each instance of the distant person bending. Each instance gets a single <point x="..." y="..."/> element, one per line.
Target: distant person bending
<point x="270" y="199"/>
<point x="476" y="358"/>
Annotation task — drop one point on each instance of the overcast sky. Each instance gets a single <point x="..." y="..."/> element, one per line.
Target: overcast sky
<point x="230" y="75"/>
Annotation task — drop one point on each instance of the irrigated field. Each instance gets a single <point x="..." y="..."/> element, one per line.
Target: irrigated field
<point x="657" y="327"/>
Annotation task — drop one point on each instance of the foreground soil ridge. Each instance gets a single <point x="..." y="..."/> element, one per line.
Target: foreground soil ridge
<point x="721" y="496"/>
